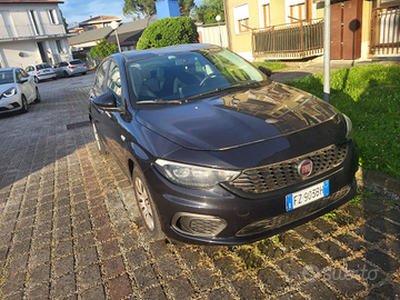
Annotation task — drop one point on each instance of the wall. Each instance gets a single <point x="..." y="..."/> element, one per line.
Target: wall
<point x="211" y="34"/>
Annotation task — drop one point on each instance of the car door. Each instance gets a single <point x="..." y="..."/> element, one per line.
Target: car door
<point x="23" y="85"/>
<point x="30" y="83"/>
<point x="116" y="133"/>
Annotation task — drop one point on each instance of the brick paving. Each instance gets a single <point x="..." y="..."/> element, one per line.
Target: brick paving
<point x="70" y="229"/>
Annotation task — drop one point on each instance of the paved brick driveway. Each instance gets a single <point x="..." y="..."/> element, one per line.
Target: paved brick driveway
<point x="69" y="229"/>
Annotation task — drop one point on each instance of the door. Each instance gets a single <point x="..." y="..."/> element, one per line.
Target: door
<point x="346" y="21"/>
<point x="42" y="52"/>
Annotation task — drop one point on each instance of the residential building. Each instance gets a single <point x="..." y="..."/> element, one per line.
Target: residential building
<point x="294" y="28"/>
<point x="97" y="22"/>
<point x="32" y="32"/>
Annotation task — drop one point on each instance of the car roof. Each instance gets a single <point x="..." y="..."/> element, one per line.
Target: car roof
<point x="138" y="54"/>
<point x="7" y="69"/>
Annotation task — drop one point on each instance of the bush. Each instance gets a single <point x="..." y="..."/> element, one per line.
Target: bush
<point x="168" y="32"/>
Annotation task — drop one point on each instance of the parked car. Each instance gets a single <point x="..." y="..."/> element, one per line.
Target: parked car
<point x="17" y="90"/>
<point x="41" y="72"/>
<point x="69" y="68"/>
<point x="217" y="152"/>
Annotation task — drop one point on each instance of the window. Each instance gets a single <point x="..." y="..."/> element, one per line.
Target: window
<point x="52" y="16"/>
<point x="266" y="15"/>
<point x="59" y="46"/>
<point x="297" y="13"/>
<point x="244" y="25"/>
<point x="34" y="22"/>
<point x="242" y="19"/>
<point x="100" y="76"/>
<point x="114" y="83"/>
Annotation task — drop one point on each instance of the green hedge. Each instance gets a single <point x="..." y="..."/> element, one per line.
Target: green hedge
<point x="168" y="32"/>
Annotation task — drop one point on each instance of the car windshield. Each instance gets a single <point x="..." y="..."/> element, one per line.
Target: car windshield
<point x="6" y="77"/>
<point x="179" y="76"/>
<point x="43" y="66"/>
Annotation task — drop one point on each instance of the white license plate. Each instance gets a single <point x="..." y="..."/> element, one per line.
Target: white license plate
<point x="307" y="195"/>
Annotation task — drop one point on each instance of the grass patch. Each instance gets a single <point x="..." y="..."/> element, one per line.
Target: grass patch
<point x="273" y="65"/>
<point x="370" y="96"/>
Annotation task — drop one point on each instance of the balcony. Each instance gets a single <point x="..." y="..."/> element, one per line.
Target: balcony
<point x="27" y="32"/>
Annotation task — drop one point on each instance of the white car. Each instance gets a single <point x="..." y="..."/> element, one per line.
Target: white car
<point x="17" y="90"/>
<point x="70" y="68"/>
<point x="41" y="72"/>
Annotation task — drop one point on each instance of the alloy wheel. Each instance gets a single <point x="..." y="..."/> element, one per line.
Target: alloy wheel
<point x="144" y="203"/>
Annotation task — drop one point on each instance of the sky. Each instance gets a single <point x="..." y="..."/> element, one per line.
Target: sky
<point x="76" y="11"/>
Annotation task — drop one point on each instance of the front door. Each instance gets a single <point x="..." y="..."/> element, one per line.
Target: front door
<point x="42" y="52"/>
<point x="346" y="21"/>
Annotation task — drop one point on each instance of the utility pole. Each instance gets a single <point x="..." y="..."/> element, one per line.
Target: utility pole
<point x="327" y="51"/>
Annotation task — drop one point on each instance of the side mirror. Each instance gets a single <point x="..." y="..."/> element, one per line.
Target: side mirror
<point x="107" y="102"/>
<point x="24" y="79"/>
<point x="265" y="70"/>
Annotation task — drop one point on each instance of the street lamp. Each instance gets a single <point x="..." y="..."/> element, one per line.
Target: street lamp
<point x="115" y="25"/>
<point x="218" y="18"/>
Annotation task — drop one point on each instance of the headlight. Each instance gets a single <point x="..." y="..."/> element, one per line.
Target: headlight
<point x="9" y="93"/>
<point x="349" y="127"/>
<point x="193" y="176"/>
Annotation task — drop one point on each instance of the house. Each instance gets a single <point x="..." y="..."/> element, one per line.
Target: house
<point x="128" y="35"/>
<point x="32" y="32"/>
<point x="279" y="29"/>
<point x="97" y="22"/>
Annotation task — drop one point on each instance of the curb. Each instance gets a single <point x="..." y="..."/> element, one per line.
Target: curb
<point x="378" y="181"/>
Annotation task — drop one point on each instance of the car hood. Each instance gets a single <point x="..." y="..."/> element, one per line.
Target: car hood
<point x="236" y="118"/>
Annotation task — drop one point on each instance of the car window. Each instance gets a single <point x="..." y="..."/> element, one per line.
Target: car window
<point x="43" y="66"/>
<point x="100" y="75"/>
<point x="18" y="75"/>
<point x="114" y="84"/>
<point x="76" y="62"/>
<point x="6" y="76"/>
<point x="64" y="64"/>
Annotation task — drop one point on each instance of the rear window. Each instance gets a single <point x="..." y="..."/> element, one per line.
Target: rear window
<point x="76" y="62"/>
<point x="43" y="66"/>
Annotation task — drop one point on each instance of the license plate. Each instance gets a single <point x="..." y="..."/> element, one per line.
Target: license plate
<point x="307" y="195"/>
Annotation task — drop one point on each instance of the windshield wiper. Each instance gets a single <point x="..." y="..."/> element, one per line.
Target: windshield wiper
<point x="159" y="101"/>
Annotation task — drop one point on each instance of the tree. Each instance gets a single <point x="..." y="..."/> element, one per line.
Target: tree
<point x="102" y="49"/>
<point x="136" y="8"/>
<point x="208" y="10"/>
<point x="64" y="22"/>
<point x="168" y="32"/>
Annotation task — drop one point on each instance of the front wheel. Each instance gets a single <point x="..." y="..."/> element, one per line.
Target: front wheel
<point x="38" y="98"/>
<point x="24" y="104"/>
<point x="146" y="205"/>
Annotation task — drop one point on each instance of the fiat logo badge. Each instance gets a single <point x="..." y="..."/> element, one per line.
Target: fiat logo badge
<point x="305" y="168"/>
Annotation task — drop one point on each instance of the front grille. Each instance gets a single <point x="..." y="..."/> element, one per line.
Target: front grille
<point x="292" y="216"/>
<point x="280" y="175"/>
<point x="198" y="225"/>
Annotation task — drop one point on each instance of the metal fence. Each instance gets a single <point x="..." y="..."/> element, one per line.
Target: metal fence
<point x="295" y="41"/>
<point x="385" y="31"/>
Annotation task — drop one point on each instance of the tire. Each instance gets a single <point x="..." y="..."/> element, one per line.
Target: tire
<point x="38" y="98"/>
<point x="36" y="79"/>
<point x="66" y="75"/>
<point x="147" y="208"/>
<point x="24" y="104"/>
<point x="99" y="142"/>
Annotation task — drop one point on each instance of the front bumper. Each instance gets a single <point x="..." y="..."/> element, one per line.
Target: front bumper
<point x="10" y="104"/>
<point x="232" y="219"/>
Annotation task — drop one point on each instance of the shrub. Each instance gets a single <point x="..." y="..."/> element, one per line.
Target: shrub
<point x="168" y="32"/>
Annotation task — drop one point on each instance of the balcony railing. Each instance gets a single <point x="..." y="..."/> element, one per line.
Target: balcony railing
<point x="27" y="32"/>
<point x="385" y="31"/>
<point x="294" y="41"/>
